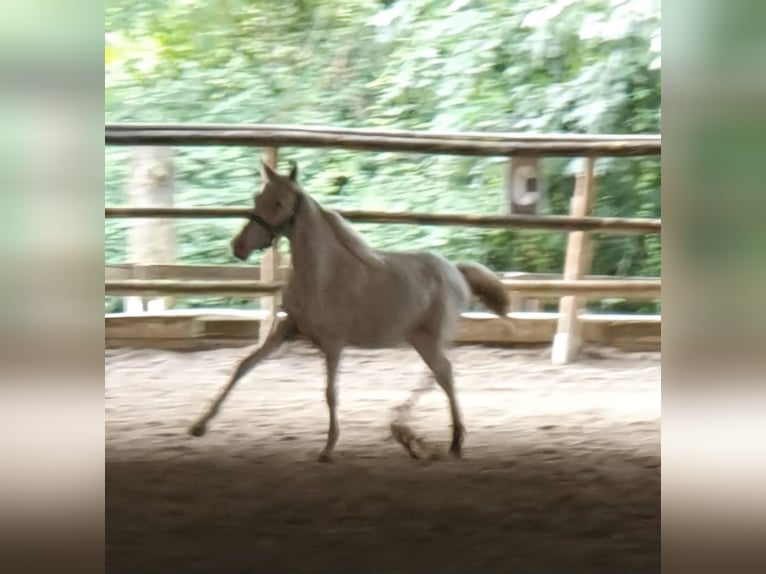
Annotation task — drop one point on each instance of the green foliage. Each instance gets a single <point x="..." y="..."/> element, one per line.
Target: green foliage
<point x="588" y="66"/>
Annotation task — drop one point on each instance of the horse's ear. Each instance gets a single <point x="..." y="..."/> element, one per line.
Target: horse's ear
<point x="293" y="171"/>
<point x="267" y="172"/>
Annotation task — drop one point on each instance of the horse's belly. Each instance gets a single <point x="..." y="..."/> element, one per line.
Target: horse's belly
<point x="375" y="337"/>
<point x="382" y="327"/>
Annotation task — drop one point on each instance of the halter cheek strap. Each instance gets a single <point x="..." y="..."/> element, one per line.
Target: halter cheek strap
<point x="275" y="230"/>
<point x="265" y="224"/>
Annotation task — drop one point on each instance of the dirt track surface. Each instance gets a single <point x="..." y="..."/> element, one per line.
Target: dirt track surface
<point x="561" y="467"/>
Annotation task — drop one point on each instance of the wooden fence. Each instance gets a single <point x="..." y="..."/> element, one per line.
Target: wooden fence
<point x="572" y="289"/>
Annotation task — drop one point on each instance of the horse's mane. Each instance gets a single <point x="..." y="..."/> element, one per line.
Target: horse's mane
<point x="348" y="237"/>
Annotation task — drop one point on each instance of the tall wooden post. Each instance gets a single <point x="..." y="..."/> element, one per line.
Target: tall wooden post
<point x="270" y="267"/>
<point x="568" y="339"/>
<point x="523" y="195"/>
<point x="150" y="241"/>
<point x="523" y="190"/>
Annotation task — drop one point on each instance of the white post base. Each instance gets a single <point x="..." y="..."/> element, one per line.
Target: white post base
<point x="155" y="305"/>
<point x="564" y="349"/>
<point x="133" y="304"/>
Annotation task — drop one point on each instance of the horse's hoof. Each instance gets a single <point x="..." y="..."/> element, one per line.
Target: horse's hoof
<point x="325" y="457"/>
<point x="456" y="451"/>
<point x="197" y="430"/>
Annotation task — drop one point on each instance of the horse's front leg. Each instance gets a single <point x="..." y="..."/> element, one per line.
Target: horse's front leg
<point x="332" y="359"/>
<point x="280" y="333"/>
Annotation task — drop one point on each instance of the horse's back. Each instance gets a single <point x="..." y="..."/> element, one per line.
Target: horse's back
<point x="430" y="280"/>
<point x="432" y="269"/>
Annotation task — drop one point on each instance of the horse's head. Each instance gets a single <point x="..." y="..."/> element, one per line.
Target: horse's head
<point x="274" y="212"/>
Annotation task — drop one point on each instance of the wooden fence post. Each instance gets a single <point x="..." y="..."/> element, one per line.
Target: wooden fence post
<point x="270" y="268"/>
<point x="567" y="341"/>
<point x="522" y="196"/>
<point x="150" y="241"/>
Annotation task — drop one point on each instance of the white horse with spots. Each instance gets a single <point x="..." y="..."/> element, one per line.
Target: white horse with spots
<point x="341" y="292"/>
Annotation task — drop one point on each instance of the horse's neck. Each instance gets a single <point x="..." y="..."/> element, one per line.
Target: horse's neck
<point x="322" y="247"/>
<point x="309" y="241"/>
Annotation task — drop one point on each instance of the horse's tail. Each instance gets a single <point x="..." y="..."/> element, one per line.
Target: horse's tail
<point x="486" y="286"/>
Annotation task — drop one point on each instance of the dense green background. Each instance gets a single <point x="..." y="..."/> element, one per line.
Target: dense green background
<point x="588" y="66"/>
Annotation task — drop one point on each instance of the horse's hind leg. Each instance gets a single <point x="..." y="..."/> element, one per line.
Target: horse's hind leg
<point x="431" y="350"/>
<point x="427" y="383"/>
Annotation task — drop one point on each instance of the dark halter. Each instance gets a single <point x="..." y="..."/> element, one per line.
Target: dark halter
<point x="280" y="229"/>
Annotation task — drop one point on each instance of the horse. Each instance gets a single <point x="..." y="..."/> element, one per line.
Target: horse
<point x="341" y="292"/>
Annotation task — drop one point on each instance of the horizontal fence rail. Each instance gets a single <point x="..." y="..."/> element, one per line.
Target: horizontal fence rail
<point x="158" y="287"/>
<point x="181" y="272"/>
<point x="381" y="141"/>
<point x="564" y="223"/>
<point x="626" y="288"/>
<point x="620" y="288"/>
<point x="654" y="139"/>
<point x="248" y="271"/>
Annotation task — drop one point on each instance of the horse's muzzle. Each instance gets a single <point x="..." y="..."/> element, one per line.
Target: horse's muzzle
<point x="239" y="250"/>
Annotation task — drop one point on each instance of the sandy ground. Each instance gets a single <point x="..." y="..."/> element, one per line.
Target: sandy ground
<point x="561" y="467"/>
